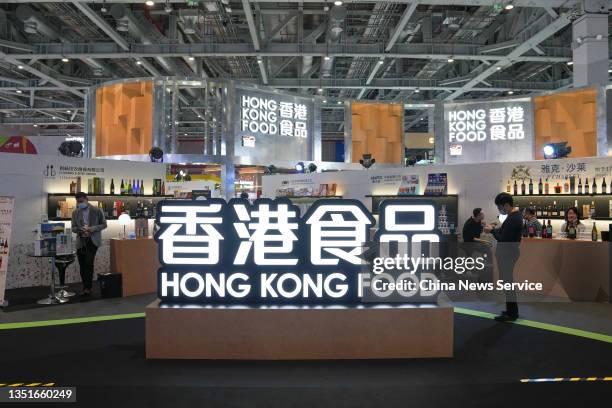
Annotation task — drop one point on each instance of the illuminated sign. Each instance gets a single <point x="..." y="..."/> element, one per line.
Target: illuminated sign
<point x="267" y="116"/>
<point x="237" y="252"/>
<point x="489" y="131"/>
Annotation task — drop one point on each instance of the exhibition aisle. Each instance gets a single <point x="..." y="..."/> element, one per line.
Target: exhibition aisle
<point x="102" y="359"/>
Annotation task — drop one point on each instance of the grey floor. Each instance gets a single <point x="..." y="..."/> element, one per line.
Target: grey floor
<point x="595" y="317"/>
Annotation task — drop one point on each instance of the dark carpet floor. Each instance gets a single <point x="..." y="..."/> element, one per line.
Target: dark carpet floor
<point x="105" y="361"/>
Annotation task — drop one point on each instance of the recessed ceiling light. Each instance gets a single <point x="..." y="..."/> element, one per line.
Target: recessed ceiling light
<point x="509" y="6"/>
<point x="417" y="90"/>
<point x="191" y="58"/>
<point x="451" y="60"/>
<point x="510" y="92"/>
<point x="65" y="59"/>
<point x="138" y="62"/>
<point x="35" y="125"/>
<point x="19" y="91"/>
<point x="68" y="111"/>
<point x="327" y="58"/>
<point x="150" y="3"/>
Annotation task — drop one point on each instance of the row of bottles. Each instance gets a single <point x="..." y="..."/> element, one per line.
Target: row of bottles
<point x="569" y="186"/>
<point x="547" y="231"/>
<point x="142" y="209"/>
<point x="558" y="211"/>
<point x="96" y="185"/>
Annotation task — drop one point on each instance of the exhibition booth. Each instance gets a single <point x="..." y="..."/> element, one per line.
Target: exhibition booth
<point x="182" y="167"/>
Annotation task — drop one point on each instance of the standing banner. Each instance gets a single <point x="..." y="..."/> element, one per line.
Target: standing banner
<point x="6" y="222"/>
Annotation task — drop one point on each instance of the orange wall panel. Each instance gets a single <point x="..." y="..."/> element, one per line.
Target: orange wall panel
<point x="377" y="129"/>
<point x="124" y="118"/>
<point x="567" y="117"/>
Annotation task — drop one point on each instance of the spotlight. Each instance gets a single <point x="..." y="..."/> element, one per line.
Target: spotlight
<point x="367" y="160"/>
<point x="556" y="150"/>
<point x="156" y="155"/>
<point x="103" y="9"/>
<point x="320" y="90"/>
<point x="65" y="59"/>
<point x="299" y="167"/>
<point x="19" y="66"/>
<point x="510" y="92"/>
<point x="327" y="58"/>
<point x="312" y="168"/>
<point x="509" y="6"/>
<point x="138" y="62"/>
<point x="417" y="90"/>
<point x="150" y="3"/>
<point x="19" y="91"/>
<point x="324" y="101"/>
<point x="570" y="63"/>
<point x="168" y="7"/>
<point x="71" y="149"/>
<point x="191" y="58"/>
<point x="381" y="60"/>
<point x="338" y="3"/>
<point x="451" y="60"/>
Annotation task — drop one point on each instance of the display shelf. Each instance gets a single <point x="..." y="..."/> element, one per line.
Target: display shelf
<point x="112" y="195"/>
<point x="106" y="218"/>
<point x="560" y="195"/>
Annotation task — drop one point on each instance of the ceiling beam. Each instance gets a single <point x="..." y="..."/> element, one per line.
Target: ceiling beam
<point x="410" y="9"/>
<point x="102" y="24"/>
<point x="510" y="59"/>
<point x="427" y="51"/>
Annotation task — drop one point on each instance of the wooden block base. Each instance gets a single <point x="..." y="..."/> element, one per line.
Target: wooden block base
<point x="290" y="333"/>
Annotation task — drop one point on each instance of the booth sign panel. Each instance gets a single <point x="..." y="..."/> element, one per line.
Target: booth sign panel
<point x="489" y="131"/>
<point x="269" y="126"/>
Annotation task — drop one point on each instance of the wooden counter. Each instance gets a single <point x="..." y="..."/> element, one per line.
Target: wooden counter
<point x="572" y="269"/>
<point x="137" y="262"/>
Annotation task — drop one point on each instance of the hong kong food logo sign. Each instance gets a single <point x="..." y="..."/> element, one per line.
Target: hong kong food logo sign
<point x="236" y="252"/>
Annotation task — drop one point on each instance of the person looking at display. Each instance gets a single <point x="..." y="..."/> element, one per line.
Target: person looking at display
<point x="572" y="224"/>
<point x="532" y="223"/>
<point x="87" y="222"/>
<point x="508" y="236"/>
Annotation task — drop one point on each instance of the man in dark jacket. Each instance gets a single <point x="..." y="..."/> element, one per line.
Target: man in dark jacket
<point x="508" y="236"/>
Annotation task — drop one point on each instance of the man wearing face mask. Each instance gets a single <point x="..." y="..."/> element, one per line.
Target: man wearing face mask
<point x="87" y="222"/>
<point x="508" y="235"/>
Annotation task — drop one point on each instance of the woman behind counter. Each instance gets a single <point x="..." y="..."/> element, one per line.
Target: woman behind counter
<point x="572" y="219"/>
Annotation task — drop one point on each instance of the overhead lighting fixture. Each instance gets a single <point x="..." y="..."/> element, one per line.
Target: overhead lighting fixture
<point x="19" y="66"/>
<point x="339" y="102"/>
<point x="417" y="90"/>
<point x="150" y="3"/>
<point x="103" y="9"/>
<point x="138" y="62"/>
<point x="320" y="90"/>
<point x="610" y="71"/>
<point x="451" y="60"/>
<point x="327" y="58"/>
<point x="381" y="60"/>
<point x="510" y="92"/>
<point x="168" y="7"/>
<point x="338" y="3"/>
<point x="65" y="59"/>
<point x="499" y="68"/>
<point x="68" y="111"/>
<point x="35" y="125"/>
<point x="324" y="100"/>
<point x="509" y="6"/>
<point x="556" y="150"/>
<point x="19" y="91"/>
<point x="54" y="117"/>
<point x="191" y="58"/>
<point x="570" y="63"/>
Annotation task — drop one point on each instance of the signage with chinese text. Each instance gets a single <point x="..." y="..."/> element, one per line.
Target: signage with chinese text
<point x="241" y="253"/>
<point x="269" y="126"/>
<point x="490" y="131"/>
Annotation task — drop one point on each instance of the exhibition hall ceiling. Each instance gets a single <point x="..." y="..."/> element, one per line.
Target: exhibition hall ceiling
<point x="407" y="52"/>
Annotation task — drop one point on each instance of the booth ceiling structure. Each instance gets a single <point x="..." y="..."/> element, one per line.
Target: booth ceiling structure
<point x="416" y="52"/>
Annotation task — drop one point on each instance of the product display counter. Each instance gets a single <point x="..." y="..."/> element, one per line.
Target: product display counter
<point x="573" y="269"/>
<point x="137" y="262"/>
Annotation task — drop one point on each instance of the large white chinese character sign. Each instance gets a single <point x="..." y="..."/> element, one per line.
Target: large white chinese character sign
<point x="498" y="131"/>
<point x="239" y="252"/>
<point x="269" y="126"/>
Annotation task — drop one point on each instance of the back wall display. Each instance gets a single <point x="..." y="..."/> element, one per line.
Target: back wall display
<point x="378" y="129"/>
<point x="487" y="131"/>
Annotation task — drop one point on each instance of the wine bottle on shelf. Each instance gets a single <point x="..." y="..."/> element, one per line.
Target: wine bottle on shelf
<point x="137" y="190"/>
<point x="142" y="187"/>
<point x="121" y="188"/>
<point x="592" y="210"/>
<point x="566" y="185"/>
<point x="129" y="187"/>
<point x="549" y="230"/>
<point x="580" y="191"/>
<point x="538" y="211"/>
<point x="540" y="187"/>
<point x="523" y="187"/>
<point x="562" y="211"/>
<point x="530" y="187"/>
<point x="586" y="186"/>
<point x="604" y="187"/>
<point x="555" y="211"/>
<point x="546" y="187"/>
<point x="594" y="187"/>
<point x="508" y="188"/>
<point x="163" y="188"/>
<point x="544" y="229"/>
<point x="112" y="187"/>
<point x="594" y="233"/>
<point x="515" y="190"/>
<point x="558" y="188"/>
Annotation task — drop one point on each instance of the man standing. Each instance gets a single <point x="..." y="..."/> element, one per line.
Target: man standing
<point x="532" y="222"/>
<point x="473" y="243"/>
<point x="508" y="235"/>
<point x="87" y="222"/>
